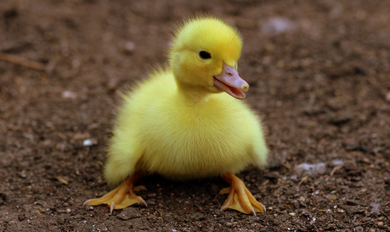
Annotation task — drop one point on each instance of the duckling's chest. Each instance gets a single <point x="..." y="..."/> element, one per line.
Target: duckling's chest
<point x="190" y="142"/>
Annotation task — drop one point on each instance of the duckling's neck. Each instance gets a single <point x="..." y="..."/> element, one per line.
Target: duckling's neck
<point x="193" y="94"/>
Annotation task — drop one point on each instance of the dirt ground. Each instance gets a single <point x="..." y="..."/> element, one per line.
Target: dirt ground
<point x="320" y="78"/>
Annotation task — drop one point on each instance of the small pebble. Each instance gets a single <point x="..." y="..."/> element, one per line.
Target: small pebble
<point x="340" y="211"/>
<point x="338" y="162"/>
<point x="376" y="208"/>
<point x="112" y="84"/>
<point x="129" y="46"/>
<point x="69" y="94"/>
<point x="388" y="97"/>
<point x="310" y="169"/>
<point x="277" y="25"/>
<point x="90" y="142"/>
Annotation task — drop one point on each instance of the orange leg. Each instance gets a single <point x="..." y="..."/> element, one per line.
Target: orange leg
<point x="121" y="197"/>
<point x="239" y="197"/>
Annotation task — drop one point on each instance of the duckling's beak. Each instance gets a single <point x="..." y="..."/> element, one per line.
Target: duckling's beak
<point x="230" y="82"/>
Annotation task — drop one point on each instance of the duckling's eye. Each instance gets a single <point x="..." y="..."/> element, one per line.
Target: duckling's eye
<point x="204" y="55"/>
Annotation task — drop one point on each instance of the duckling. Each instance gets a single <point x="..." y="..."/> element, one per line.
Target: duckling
<point x="186" y="121"/>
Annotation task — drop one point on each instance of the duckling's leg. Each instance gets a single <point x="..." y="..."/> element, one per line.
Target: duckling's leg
<point x="121" y="197"/>
<point x="239" y="197"/>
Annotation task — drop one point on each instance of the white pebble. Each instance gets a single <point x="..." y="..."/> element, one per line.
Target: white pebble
<point x="90" y="142"/>
<point x="129" y="46"/>
<point x="69" y="94"/>
<point x="310" y="169"/>
<point x="338" y="162"/>
<point x="277" y="25"/>
<point x="376" y="207"/>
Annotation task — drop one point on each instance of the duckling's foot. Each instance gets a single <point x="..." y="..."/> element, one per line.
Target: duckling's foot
<point x="121" y="197"/>
<point x="239" y="197"/>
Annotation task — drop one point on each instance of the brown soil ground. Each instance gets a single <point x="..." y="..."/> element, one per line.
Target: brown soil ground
<point x="322" y="88"/>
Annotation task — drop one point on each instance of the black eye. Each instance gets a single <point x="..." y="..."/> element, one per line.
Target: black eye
<point x="204" y="55"/>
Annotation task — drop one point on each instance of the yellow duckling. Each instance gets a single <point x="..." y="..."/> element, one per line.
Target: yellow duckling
<point x="179" y="123"/>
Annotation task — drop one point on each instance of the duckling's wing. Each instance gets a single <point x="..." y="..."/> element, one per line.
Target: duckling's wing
<point x="260" y="150"/>
<point x="123" y="154"/>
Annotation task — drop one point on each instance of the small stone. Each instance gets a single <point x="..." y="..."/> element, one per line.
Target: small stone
<point x="22" y="174"/>
<point x="310" y="169"/>
<point x="388" y="97"/>
<point x="277" y="25"/>
<point x="112" y="84"/>
<point x="129" y="46"/>
<point x="229" y="224"/>
<point x="376" y="208"/>
<point x="380" y="224"/>
<point x="69" y="94"/>
<point x="90" y="142"/>
<point x="338" y="162"/>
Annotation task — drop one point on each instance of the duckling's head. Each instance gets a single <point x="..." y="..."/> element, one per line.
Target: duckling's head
<point x="204" y="56"/>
